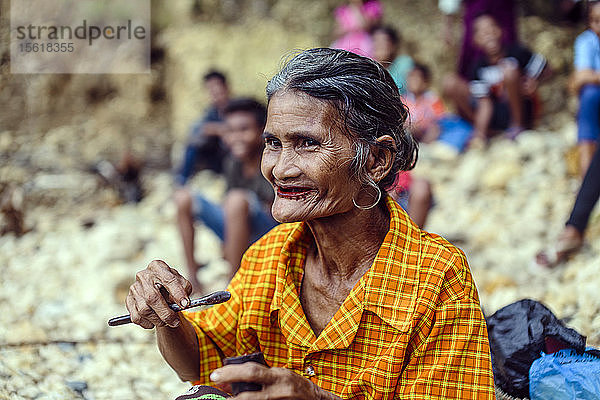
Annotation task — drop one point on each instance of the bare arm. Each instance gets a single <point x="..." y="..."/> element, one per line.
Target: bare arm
<point x="584" y="77"/>
<point x="531" y="84"/>
<point x="179" y="348"/>
<point x="450" y="9"/>
<point x="448" y="31"/>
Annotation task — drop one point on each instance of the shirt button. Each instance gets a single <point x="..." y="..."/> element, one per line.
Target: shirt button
<point x="310" y="370"/>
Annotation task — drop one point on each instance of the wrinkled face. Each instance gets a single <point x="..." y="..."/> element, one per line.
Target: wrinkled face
<point x="384" y="51"/>
<point x="217" y="91"/>
<point x="306" y="159"/>
<point x="415" y="82"/>
<point x="595" y="18"/>
<point x="243" y="136"/>
<point x="487" y="35"/>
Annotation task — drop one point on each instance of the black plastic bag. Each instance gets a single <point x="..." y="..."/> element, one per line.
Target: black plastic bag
<point x="518" y="334"/>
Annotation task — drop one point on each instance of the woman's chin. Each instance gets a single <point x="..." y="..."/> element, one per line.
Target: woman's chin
<point x="285" y="217"/>
<point x="286" y="210"/>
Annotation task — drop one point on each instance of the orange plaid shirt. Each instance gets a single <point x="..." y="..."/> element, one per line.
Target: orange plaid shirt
<point x="411" y="328"/>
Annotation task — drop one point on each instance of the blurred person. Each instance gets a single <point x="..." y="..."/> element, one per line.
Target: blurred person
<point x="354" y="22"/>
<point x="244" y="215"/>
<point x="347" y="297"/>
<point x="124" y="176"/>
<point x="205" y="148"/>
<point x="387" y="45"/>
<point x="501" y="94"/>
<point x="586" y="83"/>
<point x="571" y="238"/>
<point x="414" y="195"/>
<point x="424" y="106"/>
<point x="503" y="11"/>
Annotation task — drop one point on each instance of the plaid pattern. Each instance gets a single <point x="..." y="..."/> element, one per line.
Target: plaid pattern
<point x="411" y="328"/>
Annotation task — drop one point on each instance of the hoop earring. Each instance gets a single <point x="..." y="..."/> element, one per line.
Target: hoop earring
<point x="364" y="208"/>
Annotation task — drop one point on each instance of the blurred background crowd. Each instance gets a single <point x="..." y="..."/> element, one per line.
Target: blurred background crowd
<point x="100" y="174"/>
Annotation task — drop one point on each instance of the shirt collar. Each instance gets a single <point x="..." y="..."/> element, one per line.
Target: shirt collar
<point x="391" y="284"/>
<point x="293" y="241"/>
<point x="389" y="288"/>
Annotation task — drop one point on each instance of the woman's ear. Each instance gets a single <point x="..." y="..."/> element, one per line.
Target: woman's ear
<point x="381" y="158"/>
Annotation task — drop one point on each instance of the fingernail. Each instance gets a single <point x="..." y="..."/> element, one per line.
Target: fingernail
<point x="214" y="376"/>
<point x="185" y="302"/>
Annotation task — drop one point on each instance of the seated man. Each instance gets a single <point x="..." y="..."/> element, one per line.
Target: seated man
<point x="205" y="148"/>
<point x="245" y="214"/>
<point x="502" y="89"/>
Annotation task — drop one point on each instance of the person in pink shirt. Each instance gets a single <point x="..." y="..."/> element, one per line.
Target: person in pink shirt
<point x="354" y="22"/>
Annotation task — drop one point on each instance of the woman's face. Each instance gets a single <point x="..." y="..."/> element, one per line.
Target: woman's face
<point x="306" y="159"/>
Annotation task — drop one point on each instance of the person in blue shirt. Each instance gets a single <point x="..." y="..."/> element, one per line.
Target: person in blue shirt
<point x="205" y="148"/>
<point x="586" y="82"/>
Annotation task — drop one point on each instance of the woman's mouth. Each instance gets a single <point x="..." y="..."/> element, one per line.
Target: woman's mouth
<point x="292" y="192"/>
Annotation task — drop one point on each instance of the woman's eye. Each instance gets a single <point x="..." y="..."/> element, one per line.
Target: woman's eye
<point x="306" y="142"/>
<point x="271" y="142"/>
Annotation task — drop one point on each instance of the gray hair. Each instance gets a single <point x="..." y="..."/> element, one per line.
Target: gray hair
<point x="366" y="98"/>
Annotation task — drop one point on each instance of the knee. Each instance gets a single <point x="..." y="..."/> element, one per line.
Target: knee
<point x="236" y="203"/>
<point x="589" y="94"/>
<point x="512" y="74"/>
<point x="183" y="200"/>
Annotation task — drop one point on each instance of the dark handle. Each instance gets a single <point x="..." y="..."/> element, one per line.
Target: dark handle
<point x="210" y="299"/>
<point x="239" y="387"/>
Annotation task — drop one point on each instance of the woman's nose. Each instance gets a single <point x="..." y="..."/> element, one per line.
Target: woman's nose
<point x="285" y="166"/>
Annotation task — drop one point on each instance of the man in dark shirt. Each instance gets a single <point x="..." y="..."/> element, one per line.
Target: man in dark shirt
<point x="205" y="148"/>
<point x="245" y="213"/>
<point x="502" y="89"/>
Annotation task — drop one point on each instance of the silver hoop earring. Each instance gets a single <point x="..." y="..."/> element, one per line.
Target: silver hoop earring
<point x="364" y="208"/>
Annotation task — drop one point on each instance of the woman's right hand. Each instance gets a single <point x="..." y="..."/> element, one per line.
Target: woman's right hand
<point x="153" y="289"/>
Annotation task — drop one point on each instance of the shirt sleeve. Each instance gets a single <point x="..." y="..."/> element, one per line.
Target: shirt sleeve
<point x="451" y="357"/>
<point x="216" y="330"/>
<point x="438" y="108"/>
<point x="532" y="64"/>
<point x="583" y="52"/>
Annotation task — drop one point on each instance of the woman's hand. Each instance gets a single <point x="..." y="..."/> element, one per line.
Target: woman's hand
<point x="153" y="288"/>
<point x="277" y="383"/>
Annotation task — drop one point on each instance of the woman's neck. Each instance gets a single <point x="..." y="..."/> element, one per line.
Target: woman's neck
<point x="345" y="245"/>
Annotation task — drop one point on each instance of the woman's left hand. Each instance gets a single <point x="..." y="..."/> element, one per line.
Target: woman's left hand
<point x="277" y="383"/>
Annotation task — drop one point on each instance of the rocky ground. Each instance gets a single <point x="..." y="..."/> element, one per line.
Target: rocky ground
<point x="63" y="279"/>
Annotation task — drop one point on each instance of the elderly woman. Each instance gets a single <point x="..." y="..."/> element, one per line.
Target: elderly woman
<point x="347" y="298"/>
